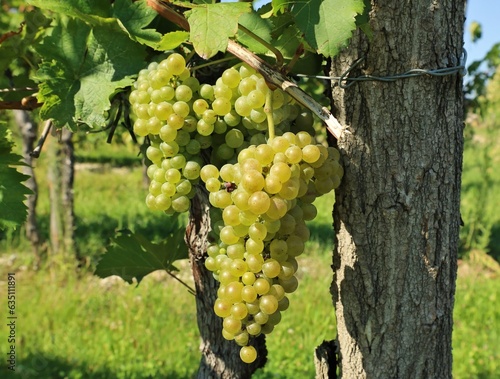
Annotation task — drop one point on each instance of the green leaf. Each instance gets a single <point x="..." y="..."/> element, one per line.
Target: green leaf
<point x="173" y="40"/>
<point x="133" y="256"/>
<point x="363" y="19"/>
<point x="12" y="191"/>
<point x="20" y="31"/>
<point x="82" y="68"/>
<point x="308" y="64"/>
<point x="91" y="11"/>
<point x="274" y="8"/>
<point x="211" y="26"/>
<point x="475" y="30"/>
<point x="133" y="17"/>
<point x="327" y="24"/>
<point x="260" y="27"/>
<point x="279" y="6"/>
<point x="288" y="41"/>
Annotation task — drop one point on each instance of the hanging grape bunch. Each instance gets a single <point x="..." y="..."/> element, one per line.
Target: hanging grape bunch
<point x="265" y="171"/>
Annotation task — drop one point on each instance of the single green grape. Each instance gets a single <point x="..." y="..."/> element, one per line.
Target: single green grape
<point x="176" y="64"/>
<point x="248" y="354"/>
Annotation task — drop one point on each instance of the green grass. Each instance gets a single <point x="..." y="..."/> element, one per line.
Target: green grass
<point x="480" y="198"/>
<point x="476" y="336"/>
<point x="77" y="327"/>
<point x="83" y="328"/>
<point x="72" y="327"/>
<point x="107" y="199"/>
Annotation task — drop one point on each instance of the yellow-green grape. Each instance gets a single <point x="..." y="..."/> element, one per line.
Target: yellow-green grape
<point x="242" y="338"/>
<point x="248" y="354"/>
<point x="222" y="307"/>
<point x="268" y="304"/>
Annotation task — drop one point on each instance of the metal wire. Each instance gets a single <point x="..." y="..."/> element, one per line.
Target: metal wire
<point x="344" y="81"/>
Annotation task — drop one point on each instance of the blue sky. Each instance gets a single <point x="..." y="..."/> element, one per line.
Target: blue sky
<point x="487" y="13"/>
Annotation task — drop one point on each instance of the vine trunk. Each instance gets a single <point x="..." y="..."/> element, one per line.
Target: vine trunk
<point x="397" y="214"/>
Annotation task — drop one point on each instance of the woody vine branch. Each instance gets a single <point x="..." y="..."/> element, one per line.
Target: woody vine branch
<point x="271" y="75"/>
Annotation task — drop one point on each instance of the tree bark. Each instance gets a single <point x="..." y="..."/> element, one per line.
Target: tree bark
<point x="325" y="360"/>
<point x="220" y="358"/>
<point x="67" y="193"/>
<point x="61" y="180"/>
<point x="397" y="211"/>
<point x="29" y="134"/>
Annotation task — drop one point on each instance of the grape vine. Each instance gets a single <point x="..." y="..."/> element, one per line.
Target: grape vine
<point x="246" y="139"/>
<point x="252" y="149"/>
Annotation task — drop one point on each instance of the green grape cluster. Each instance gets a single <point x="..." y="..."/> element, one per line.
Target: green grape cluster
<point x="162" y="102"/>
<point x="182" y="118"/>
<point x="265" y="199"/>
<point x="265" y="172"/>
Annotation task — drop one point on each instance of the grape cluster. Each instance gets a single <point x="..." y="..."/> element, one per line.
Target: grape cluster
<point x="265" y="172"/>
<point x="265" y="199"/>
<point x="162" y="102"/>
<point x="182" y="117"/>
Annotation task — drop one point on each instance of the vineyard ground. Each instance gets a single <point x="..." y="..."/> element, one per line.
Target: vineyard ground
<point x="84" y="327"/>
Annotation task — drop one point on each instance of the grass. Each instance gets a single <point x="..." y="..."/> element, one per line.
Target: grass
<point x="88" y="328"/>
<point x="73" y="327"/>
<point x="82" y="327"/>
<point x="476" y="336"/>
<point x="480" y="182"/>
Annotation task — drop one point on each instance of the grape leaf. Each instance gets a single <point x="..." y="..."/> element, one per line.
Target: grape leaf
<point x="12" y="191"/>
<point x="11" y="31"/>
<point x="90" y="11"/>
<point x="280" y="5"/>
<point x="133" y="256"/>
<point x="133" y="17"/>
<point x="211" y="25"/>
<point x="19" y="31"/>
<point x="173" y="40"/>
<point x="327" y="24"/>
<point x="82" y="68"/>
<point x="288" y="41"/>
<point x="257" y="25"/>
<point x="274" y="8"/>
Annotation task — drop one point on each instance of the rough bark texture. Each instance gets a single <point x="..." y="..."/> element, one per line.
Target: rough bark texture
<point x="325" y="360"/>
<point x="220" y="358"/>
<point x="29" y="134"/>
<point x="61" y="177"/>
<point x="397" y="211"/>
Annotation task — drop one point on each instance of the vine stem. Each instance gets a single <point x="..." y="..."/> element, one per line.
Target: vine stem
<point x="268" y="109"/>
<point x="270" y="74"/>
<point x="189" y="288"/>
<point x="211" y="63"/>
<point x="46" y="130"/>
<point x="27" y="104"/>
<point x="30" y="89"/>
